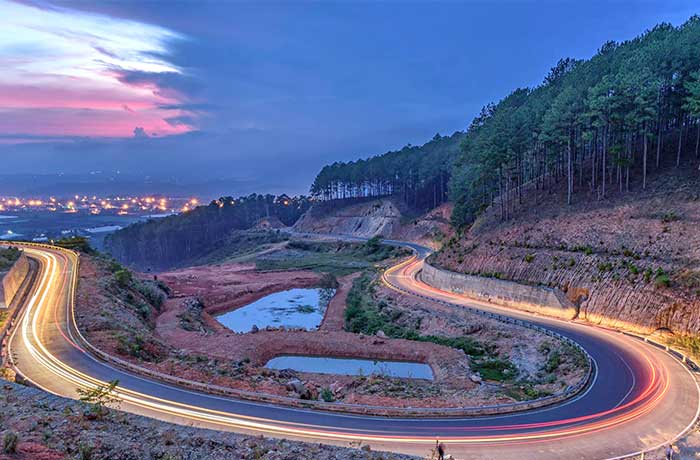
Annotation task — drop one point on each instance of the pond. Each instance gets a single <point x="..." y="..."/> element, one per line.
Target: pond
<point x="343" y="366"/>
<point x="294" y="308"/>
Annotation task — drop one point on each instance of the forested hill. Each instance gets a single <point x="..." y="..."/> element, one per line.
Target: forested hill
<point x="595" y="127"/>
<point x="170" y="241"/>
<point x="417" y="175"/>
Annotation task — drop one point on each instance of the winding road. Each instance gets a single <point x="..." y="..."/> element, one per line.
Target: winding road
<point x="641" y="396"/>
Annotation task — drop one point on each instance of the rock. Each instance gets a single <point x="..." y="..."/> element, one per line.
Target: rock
<point x="381" y="334"/>
<point x="336" y="388"/>
<point x="254" y="329"/>
<point x="298" y="387"/>
<point x="476" y="378"/>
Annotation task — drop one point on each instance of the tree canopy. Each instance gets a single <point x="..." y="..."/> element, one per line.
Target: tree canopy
<point x="590" y="125"/>
<point x="417" y="174"/>
<point x="159" y="243"/>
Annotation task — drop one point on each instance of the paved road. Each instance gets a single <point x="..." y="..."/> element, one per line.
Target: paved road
<point x="641" y="396"/>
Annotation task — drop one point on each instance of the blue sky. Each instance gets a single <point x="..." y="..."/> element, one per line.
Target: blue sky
<point x="268" y="92"/>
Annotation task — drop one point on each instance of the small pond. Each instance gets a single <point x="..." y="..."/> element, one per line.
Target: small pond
<point x="343" y="366"/>
<point x="294" y="308"/>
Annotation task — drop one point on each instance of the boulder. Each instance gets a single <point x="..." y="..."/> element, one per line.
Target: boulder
<point x="298" y="387"/>
<point x="476" y="378"/>
<point x="337" y="388"/>
<point x="381" y="334"/>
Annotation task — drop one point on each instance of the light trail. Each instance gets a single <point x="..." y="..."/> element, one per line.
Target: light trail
<point x="57" y="284"/>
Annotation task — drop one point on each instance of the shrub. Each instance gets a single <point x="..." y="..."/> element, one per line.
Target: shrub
<point x="9" y="442"/>
<point x="99" y="397"/>
<point x="85" y="451"/>
<point x="496" y="369"/>
<point x="152" y="292"/>
<point x="123" y="277"/>
<point x="529" y="258"/>
<point x="553" y="362"/>
<point x="329" y="281"/>
<point x="662" y="280"/>
<point x="605" y="267"/>
<point x="670" y="216"/>
<point x="327" y="395"/>
<point x="372" y="245"/>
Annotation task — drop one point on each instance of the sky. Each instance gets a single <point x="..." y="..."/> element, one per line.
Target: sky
<point x="258" y="96"/>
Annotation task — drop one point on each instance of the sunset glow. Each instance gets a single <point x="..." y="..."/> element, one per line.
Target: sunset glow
<point x="71" y="73"/>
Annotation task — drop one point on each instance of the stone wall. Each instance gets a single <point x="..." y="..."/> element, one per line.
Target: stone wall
<point x="536" y="299"/>
<point x="13" y="280"/>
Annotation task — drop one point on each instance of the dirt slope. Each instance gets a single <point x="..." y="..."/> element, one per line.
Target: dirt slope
<point x="630" y="261"/>
<point x="381" y="217"/>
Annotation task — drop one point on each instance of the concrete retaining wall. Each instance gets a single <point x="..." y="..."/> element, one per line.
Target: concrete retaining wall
<point x="13" y="280"/>
<point x="536" y="299"/>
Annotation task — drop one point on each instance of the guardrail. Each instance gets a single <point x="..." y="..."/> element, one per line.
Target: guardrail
<point x="556" y="398"/>
<point x="309" y="404"/>
<point x="19" y="299"/>
<point x="570" y="392"/>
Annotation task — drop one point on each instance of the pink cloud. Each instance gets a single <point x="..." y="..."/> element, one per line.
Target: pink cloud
<point x="86" y="122"/>
<point x="88" y="75"/>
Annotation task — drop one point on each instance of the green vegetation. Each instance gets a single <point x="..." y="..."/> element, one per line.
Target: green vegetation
<point x="594" y="123"/>
<point x="85" y="451"/>
<point x="661" y="279"/>
<point x="553" y="362"/>
<point x="327" y="395"/>
<point x="99" y="397"/>
<point x="364" y="315"/>
<point x="600" y="124"/>
<point x="335" y="258"/>
<point x="184" y="238"/>
<point x="9" y="442"/>
<point x="123" y="277"/>
<point x="529" y="258"/>
<point x="242" y="245"/>
<point x="8" y="256"/>
<point x="690" y="343"/>
<point x="670" y="216"/>
<point x="75" y="243"/>
<point x="418" y="175"/>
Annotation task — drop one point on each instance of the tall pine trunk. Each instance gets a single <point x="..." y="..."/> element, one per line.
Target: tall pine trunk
<point x="680" y="140"/>
<point x="569" y="176"/>
<point x="644" y="159"/>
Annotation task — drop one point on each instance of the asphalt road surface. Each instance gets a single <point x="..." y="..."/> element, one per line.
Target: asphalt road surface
<point x="641" y="396"/>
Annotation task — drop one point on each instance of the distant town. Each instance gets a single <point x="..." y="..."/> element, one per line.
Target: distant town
<point x="119" y="205"/>
<point x="43" y="219"/>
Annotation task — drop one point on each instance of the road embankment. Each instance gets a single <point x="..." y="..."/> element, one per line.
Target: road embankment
<point x="13" y="280"/>
<point x="533" y="299"/>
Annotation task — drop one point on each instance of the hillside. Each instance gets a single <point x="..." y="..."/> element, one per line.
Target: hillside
<point x="416" y="175"/>
<point x="631" y="261"/>
<point x="630" y="110"/>
<point x="192" y="236"/>
<point x="381" y="217"/>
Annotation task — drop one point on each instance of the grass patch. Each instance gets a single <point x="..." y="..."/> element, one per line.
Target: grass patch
<point x="242" y="244"/>
<point x="336" y="258"/>
<point x="8" y="256"/>
<point x="364" y="315"/>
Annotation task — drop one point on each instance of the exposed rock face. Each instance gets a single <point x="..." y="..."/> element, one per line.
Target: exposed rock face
<point x="381" y="217"/>
<point x="367" y="219"/>
<point x="536" y="299"/>
<point x="630" y="261"/>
